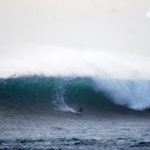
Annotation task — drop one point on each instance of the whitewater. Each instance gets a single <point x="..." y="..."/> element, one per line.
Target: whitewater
<point x="41" y="87"/>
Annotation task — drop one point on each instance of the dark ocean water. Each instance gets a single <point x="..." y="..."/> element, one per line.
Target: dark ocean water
<point x="37" y="112"/>
<point x="74" y="143"/>
<point x="73" y="132"/>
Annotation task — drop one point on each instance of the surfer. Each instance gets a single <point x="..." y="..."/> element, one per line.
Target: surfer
<point x="80" y="109"/>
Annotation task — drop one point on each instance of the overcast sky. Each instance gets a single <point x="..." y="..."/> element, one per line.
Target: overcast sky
<point x="118" y="29"/>
<point x="120" y="25"/>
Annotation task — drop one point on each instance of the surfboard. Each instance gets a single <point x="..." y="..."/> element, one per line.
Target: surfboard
<point x="77" y="113"/>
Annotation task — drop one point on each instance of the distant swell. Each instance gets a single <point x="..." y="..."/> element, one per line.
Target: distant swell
<point x="67" y="93"/>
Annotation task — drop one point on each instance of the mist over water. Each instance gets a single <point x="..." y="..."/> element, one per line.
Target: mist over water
<point x="54" y="61"/>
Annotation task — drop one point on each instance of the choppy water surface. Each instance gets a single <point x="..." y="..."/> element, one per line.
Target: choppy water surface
<point x="68" y="131"/>
<point x="37" y="112"/>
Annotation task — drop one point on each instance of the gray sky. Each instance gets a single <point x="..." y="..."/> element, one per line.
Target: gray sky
<point x="119" y="25"/>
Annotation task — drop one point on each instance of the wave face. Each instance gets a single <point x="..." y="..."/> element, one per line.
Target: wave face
<point x="67" y="93"/>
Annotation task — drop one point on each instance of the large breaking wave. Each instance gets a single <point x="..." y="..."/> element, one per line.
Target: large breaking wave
<point x="67" y="93"/>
